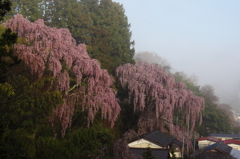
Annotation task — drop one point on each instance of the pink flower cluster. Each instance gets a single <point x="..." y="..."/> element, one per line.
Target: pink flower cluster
<point x="44" y="48"/>
<point x="155" y="95"/>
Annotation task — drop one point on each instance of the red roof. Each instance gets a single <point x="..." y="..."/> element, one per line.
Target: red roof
<point x="231" y="141"/>
<point x="209" y="138"/>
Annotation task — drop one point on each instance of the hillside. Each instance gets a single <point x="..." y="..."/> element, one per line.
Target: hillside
<point x="57" y="101"/>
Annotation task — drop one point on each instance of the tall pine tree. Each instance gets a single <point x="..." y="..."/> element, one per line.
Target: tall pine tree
<point x="111" y="37"/>
<point x="30" y="9"/>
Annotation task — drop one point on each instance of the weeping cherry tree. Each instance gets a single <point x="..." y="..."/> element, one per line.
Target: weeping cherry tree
<point x="84" y="85"/>
<point x="155" y="95"/>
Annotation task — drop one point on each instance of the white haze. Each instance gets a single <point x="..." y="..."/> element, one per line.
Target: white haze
<point x="196" y="37"/>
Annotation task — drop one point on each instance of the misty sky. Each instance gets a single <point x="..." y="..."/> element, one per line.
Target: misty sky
<point x="200" y="37"/>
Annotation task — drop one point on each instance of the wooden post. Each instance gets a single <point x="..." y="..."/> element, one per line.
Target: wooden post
<point x="188" y="132"/>
<point x="183" y="147"/>
<point x="194" y="145"/>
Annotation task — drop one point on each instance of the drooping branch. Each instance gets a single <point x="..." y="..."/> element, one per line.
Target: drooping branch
<point x="45" y="48"/>
<point x="155" y="95"/>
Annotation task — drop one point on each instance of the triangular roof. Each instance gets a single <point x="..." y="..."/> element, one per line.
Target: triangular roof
<point x="219" y="146"/>
<point x="160" y="138"/>
<point x="222" y="151"/>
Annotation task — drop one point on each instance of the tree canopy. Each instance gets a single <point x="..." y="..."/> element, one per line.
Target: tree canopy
<point x="153" y="58"/>
<point x="5" y="7"/>
<point x="56" y="86"/>
<point x="154" y="95"/>
<point x="101" y="25"/>
<point x="55" y="50"/>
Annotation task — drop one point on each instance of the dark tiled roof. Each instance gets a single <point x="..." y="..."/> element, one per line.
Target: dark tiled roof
<point x="222" y="151"/>
<point x="219" y="146"/>
<point x="226" y="135"/>
<point x="158" y="153"/>
<point x="161" y="138"/>
<point x="179" y="143"/>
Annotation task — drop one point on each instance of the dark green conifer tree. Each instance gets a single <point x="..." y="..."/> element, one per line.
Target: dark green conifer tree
<point x="111" y="37"/>
<point x="5" y="6"/>
<point x="7" y="58"/>
<point x="79" y="22"/>
<point x="30" y="9"/>
<point x="147" y="154"/>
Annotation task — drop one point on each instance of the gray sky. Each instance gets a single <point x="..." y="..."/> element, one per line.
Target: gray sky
<point x="200" y="37"/>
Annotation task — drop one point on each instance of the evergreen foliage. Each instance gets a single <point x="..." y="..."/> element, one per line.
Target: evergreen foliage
<point x="81" y="143"/>
<point x="214" y="118"/>
<point x="7" y="40"/>
<point x="5" y="7"/>
<point x="7" y="58"/>
<point x="24" y="109"/>
<point x="147" y="154"/>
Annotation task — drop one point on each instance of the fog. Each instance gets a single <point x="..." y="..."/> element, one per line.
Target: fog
<point x="196" y="37"/>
